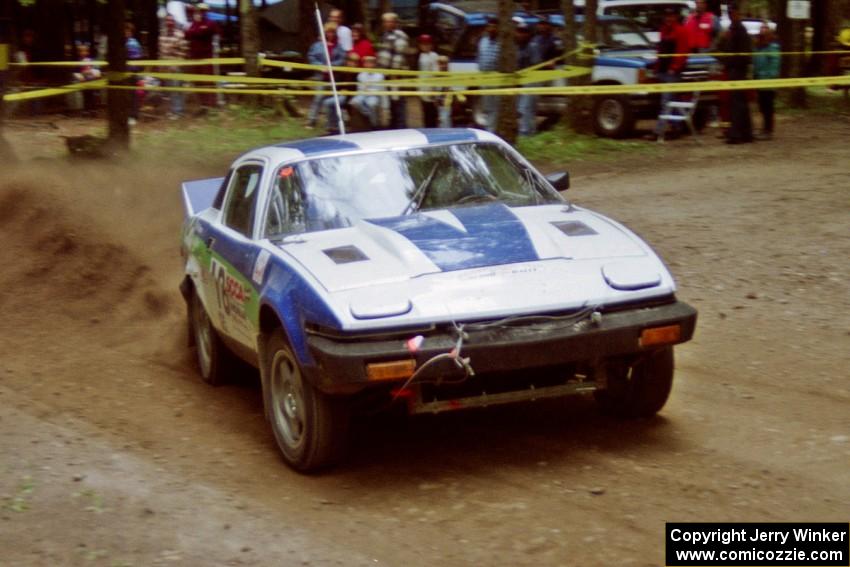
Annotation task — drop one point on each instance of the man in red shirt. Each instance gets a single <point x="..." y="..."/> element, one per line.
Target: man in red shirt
<point x="673" y="49"/>
<point x="702" y="27"/>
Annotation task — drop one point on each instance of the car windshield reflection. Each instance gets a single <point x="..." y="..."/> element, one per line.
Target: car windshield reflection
<point x="336" y="192"/>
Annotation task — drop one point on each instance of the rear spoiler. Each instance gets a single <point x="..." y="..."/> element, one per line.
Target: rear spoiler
<point x="199" y="195"/>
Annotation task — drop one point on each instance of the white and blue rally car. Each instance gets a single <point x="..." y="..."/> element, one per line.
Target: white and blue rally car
<point x="432" y="268"/>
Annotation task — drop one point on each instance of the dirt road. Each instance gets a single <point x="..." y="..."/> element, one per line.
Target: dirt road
<point x="114" y="453"/>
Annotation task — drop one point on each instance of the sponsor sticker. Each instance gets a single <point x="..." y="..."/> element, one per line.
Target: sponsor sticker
<point x="260" y="265"/>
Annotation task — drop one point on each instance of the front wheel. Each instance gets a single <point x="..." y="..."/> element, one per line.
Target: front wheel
<point x="639" y="388"/>
<point x="613" y="116"/>
<point x="311" y="428"/>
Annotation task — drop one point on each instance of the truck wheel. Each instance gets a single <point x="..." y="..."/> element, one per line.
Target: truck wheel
<point x="213" y="358"/>
<point x="311" y="428"/>
<point x="639" y="389"/>
<point x="612" y="116"/>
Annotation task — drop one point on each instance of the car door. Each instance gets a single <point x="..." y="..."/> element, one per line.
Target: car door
<point x="234" y="252"/>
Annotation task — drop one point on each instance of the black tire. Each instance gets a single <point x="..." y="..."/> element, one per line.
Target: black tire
<point x="211" y="355"/>
<point x="639" y="389"/>
<point x="311" y="428"/>
<point x="613" y="116"/>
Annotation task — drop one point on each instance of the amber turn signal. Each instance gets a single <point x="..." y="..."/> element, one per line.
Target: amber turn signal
<point x="660" y="335"/>
<point x="394" y="370"/>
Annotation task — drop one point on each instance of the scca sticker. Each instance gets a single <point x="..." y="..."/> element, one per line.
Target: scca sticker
<point x="230" y="292"/>
<point x="260" y="266"/>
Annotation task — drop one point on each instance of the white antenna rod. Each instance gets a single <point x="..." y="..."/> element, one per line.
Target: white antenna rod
<point x="330" y="70"/>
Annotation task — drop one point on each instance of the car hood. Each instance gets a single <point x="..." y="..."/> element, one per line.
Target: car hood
<point x="478" y="261"/>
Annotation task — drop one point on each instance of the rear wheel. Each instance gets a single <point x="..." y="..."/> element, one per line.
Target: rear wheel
<point x="613" y="116"/>
<point x="311" y="428"/>
<point x="639" y="389"/>
<point x="213" y="359"/>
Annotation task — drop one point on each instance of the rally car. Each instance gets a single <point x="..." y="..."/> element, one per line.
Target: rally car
<point x="430" y="269"/>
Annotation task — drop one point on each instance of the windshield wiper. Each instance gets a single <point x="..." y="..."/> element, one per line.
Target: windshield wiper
<point x="421" y="192"/>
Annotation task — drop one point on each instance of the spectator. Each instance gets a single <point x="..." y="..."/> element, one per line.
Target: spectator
<point x="329" y="103"/>
<point x="428" y="63"/>
<point x="134" y="51"/>
<point x="766" y="65"/>
<point x="673" y="49"/>
<point x="549" y="45"/>
<point x="702" y="27"/>
<point x="343" y="32"/>
<point x="444" y="100"/>
<point x="200" y="35"/>
<point x="393" y="55"/>
<point x="488" y="60"/>
<point x="172" y="46"/>
<point x="316" y="56"/>
<point x="84" y="100"/>
<point x="526" y="56"/>
<point x="369" y="82"/>
<point x="737" y="40"/>
<point x="360" y="43"/>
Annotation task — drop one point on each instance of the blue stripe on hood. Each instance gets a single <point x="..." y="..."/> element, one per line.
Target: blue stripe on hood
<point x="494" y="235"/>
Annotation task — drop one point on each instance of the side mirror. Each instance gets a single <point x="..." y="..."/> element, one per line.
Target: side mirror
<point x="560" y="180"/>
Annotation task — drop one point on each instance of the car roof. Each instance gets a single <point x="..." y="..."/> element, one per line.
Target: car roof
<point x="366" y="141"/>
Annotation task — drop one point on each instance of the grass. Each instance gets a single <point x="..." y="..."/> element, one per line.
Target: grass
<point x="225" y="134"/>
<point x="222" y="135"/>
<point x="561" y="145"/>
<point x="819" y="101"/>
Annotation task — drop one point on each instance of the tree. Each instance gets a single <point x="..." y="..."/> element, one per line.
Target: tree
<point x="6" y="154"/>
<point x="249" y="33"/>
<point x="117" y="100"/>
<point x="506" y="126"/>
<point x="580" y="106"/>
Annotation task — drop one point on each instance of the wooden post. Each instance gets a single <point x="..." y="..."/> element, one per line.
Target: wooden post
<point x="118" y="101"/>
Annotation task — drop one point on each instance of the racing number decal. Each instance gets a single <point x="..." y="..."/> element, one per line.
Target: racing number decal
<point x="229" y="292"/>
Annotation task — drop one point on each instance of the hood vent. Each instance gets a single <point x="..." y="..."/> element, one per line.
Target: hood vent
<point x="345" y="254"/>
<point x="574" y="228"/>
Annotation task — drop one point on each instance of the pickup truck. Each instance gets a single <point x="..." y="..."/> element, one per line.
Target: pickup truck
<point x="624" y="56"/>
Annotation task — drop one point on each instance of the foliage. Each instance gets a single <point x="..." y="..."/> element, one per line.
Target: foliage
<point x="562" y="145"/>
<point x="221" y="135"/>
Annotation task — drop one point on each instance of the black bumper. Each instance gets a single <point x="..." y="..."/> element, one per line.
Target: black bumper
<point x="341" y="363"/>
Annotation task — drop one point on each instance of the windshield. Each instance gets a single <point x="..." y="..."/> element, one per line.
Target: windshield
<point x="622" y="34"/>
<point x="335" y="192"/>
<point x="648" y="16"/>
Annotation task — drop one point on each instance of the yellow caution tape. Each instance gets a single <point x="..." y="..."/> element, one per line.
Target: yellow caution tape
<point x="53" y="91"/>
<point x="555" y="90"/>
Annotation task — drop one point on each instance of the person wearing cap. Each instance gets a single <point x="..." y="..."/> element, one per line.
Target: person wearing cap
<point x="526" y="55"/>
<point x="343" y="32"/>
<point x="549" y="45"/>
<point x="427" y="63"/>
<point x="392" y="54"/>
<point x="488" y="60"/>
<point x="200" y="35"/>
<point x="316" y="56"/>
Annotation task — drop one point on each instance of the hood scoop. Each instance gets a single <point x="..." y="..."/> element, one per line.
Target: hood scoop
<point x="345" y="254"/>
<point x="630" y="276"/>
<point x="574" y="228"/>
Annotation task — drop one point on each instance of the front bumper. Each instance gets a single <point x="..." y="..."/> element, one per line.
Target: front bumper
<point x="341" y="362"/>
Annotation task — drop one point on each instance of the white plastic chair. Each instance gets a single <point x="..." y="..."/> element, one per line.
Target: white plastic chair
<point x="678" y="111"/>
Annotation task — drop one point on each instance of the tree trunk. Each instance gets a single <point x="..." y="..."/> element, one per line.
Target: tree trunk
<point x="581" y="106"/>
<point x="569" y="35"/>
<point x="151" y="22"/>
<point x="118" y="101"/>
<point x="506" y="126"/>
<point x="250" y="36"/>
<point x="7" y="156"/>
<point x="307" y="19"/>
